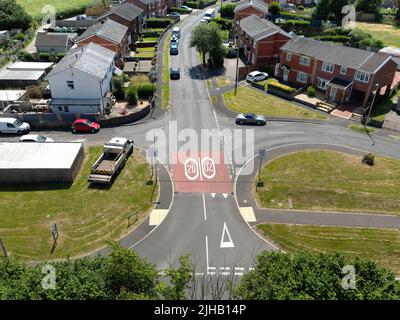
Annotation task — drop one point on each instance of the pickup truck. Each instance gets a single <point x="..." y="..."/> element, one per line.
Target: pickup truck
<point x="115" y="153"/>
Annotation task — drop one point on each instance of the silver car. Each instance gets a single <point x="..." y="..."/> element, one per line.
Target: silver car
<point x="251" y="118"/>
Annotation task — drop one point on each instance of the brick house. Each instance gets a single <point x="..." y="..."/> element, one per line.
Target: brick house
<point x="128" y="15"/>
<point x="108" y="34"/>
<point x="247" y="8"/>
<point x="151" y="8"/>
<point x="339" y="72"/>
<point x="304" y="3"/>
<point x="260" y="40"/>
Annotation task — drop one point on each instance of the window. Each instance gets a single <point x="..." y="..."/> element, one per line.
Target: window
<point x="343" y="70"/>
<point x="328" y="67"/>
<point x="66" y="109"/>
<point x="288" y="57"/>
<point x="362" y="76"/>
<point x="9" y="125"/>
<point x="302" y="77"/>
<point x="322" y="83"/>
<point x="70" y="85"/>
<point x="60" y="109"/>
<point x="305" y="61"/>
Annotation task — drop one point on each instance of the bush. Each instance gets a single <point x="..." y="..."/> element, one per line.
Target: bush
<point x="281" y="87"/>
<point x="44" y="56"/>
<point x="131" y="95"/>
<point x="118" y="87"/>
<point x="297" y="23"/>
<point x="179" y="10"/>
<point x="301" y="8"/>
<point x="145" y="90"/>
<point x="19" y="36"/>
<point x="12" y="15"/>
<point x="275" y="8"/>
<point x="200" y="4"/>
<point x="227" y="10"/>
<point x="332" y="38"/>
<point x="60" y="55"/>
<point x="369" y="159"/>
<point x="311" y="91"/>
<point x="34" y="92"/>
<point x="24" y="55"/>
<point x="268" y="69"/>
<point x="225" y="24"/>
<point x="158" y="23"/>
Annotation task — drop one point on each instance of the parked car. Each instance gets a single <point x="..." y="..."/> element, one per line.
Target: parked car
<point x="175" y="16"/>
<point x="187" y="8"/>
<point x="84" y="125"/>
<point x="174" y="73"/>
<point x="173" y="49"/>
<point x="35" y="138"/>
<point x="203" y="20"/>
<point x="13" y="126"/>
<point x="175" y="39"/>
<point x="176" y="31"/>
<point x="250" y="118"/>
<point x="256" y="76"/>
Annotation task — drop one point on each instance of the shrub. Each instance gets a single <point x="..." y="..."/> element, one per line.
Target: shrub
<point x="44" y="56"/>
<point x="275" y="8"/>
<point x="225" y="24"/>
<point x="34" y="92"/>
<point x="281" y="87"/>
<point x="227" y="10"/>
<point x="19" y="36"/>
<point x="145" y="90"/>
<point x="369" y="159"/>
<point x="332" y="38"/>
<point x="301" y="8"/>
<point x="268" y="69"/>
<point x="60" y="55"/>
<point x="26" y="56"/>
<point x="311" y="91"/>
<point x="118" y="90"/>
<point x="297" y="23"/>
<point x="131" y="96"/>
<point x="158" y="22"/>
<point x="179" y="10"/>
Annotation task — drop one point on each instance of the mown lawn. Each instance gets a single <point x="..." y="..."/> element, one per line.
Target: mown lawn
<point x="165" y="74"/>
<point x="34" y="7"/>
<point x="86" y="217"/>
<point x="380" y="245"/>
<point x="327" y="180"/>
<point x="224" y="81"/>
<point x="251" y="100"/>
<point x="389" y="34"/>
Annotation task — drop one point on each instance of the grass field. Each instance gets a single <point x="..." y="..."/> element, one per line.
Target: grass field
<point x="34" y="7"/>
<point x="165" y="73"/>
<point x="389" y="34"/>
<point x="380" y="245"/>
<point x="86" y="217"/>
<point x="223" y="81"/>
<point x="327" y="180"/>
<point x="251" y="100"/>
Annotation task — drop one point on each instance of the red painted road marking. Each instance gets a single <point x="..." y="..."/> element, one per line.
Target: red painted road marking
<point x="202" y="172"/>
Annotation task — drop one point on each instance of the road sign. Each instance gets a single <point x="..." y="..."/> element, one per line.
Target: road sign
<point x="261" y="154"/>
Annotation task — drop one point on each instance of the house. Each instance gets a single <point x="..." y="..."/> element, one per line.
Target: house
<point x="340" y="72"/>
<point x="108" y="34"/>
<point x="151" y="8"/>
<point x="394" y="53"/>
<point x="54" y="41"/>
<point x="304" y="3"/>
<point x="128" y="15"/>
<point x="82" y="81"/>
<point x="174" y="3"/>
<point x="260" y="40"/>
<point x="246" y="8"/>
<point x="23" y="74"/>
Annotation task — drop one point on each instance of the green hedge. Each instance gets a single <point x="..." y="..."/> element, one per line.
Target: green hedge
<point x="145" y="90"/>
<point x="281" y="87"/>
<point x="341" y="39"/>
<point x="200" y="4"/>
<point x="131" y="95"/>
<point x="179" y="10"/>
<point x="158" y="22"/>
<point x="297" y="23"/>
<point x="151" y="33"/>
<point x="225" y="24"/>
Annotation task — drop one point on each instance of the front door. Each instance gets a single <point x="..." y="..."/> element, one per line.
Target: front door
<point x="332" y="95"/>
<point x="286" y="75"/>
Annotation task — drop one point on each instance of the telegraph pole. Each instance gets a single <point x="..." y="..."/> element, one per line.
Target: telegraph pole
<point x="237" y="56"/>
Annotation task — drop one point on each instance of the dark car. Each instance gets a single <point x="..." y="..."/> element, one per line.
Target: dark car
<point x="250" y="118"/>
<point x="174" y="73"/>
<point x="174" y="49"/>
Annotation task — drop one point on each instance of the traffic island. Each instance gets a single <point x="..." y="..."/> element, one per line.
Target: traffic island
<point x="86" y="216"/>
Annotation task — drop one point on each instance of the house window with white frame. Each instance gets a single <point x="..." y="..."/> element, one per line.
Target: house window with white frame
<point x="70" y="85"/>
<point x="322" y="83"/>
<point x="343" y="70"/>
<point x="362" y="76"/>
<point x="328" y="67"/>
<point x="305" y="61"/>
<point x="288" y="57"/>
<point x="302" y="77"/>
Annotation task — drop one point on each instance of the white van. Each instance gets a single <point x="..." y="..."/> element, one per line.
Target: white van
<point x="209" y="14"/>
<point x="176" y="32"/>
<point x="15" y="126"/>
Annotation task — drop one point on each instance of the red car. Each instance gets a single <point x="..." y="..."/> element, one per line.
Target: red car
<point x="84" y="125"/>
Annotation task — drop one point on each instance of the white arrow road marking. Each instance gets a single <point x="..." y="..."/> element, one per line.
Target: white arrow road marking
<point x="213" y="195"/>
<point x="225" y="195"/>
<point x="226" y="244"/>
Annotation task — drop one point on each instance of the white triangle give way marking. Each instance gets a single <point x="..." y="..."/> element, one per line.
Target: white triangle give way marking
<point x="225" y="195"/>
<point x="213" y="195"/>
<point x="226" y="244"/>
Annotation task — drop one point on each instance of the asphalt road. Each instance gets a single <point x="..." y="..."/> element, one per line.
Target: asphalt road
<point x="206" y="222"/>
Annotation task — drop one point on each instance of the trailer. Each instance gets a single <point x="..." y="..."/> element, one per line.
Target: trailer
<point x="115" y="153"/>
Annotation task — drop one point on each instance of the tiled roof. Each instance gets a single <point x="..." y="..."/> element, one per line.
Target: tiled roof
<point x="126" y="10"/>
<point x="260" y="5"/>
<point x="54" y="39"/>
<point x="374" y="63"/>
<point x="92" y="59"/>
<point x="259" y="28"/>
<point x="108" y="29"/>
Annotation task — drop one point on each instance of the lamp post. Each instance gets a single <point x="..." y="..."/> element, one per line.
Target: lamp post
<point x="372" y="104"/>
<point x="237" y="57"/>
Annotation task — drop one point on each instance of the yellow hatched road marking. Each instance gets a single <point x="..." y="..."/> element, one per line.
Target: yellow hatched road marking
<point x="248" y="214"/>
<point x="157" y="216"/>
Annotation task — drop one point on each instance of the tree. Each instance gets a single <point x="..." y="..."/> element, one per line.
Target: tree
<point x="336" y="9"/>
<point x="275" y="8"/>
<point x="227" y="10"/>
<point x="12" y="15"/>
<point x="369" y="6"/>
<point x="310" y="276"/>
<point x="118" y="87"/>
<point x="322" y="10"/>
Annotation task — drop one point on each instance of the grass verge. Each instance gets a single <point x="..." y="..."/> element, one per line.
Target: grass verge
<point x="361" y="129"/>
<point x="86" y="217"/>
<point x="165" y="74"/>
<point x="389" y="34"/>
<point x="251" y="100"/>
<point x="328" y="180"/>
<point x="380" y="245"/>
